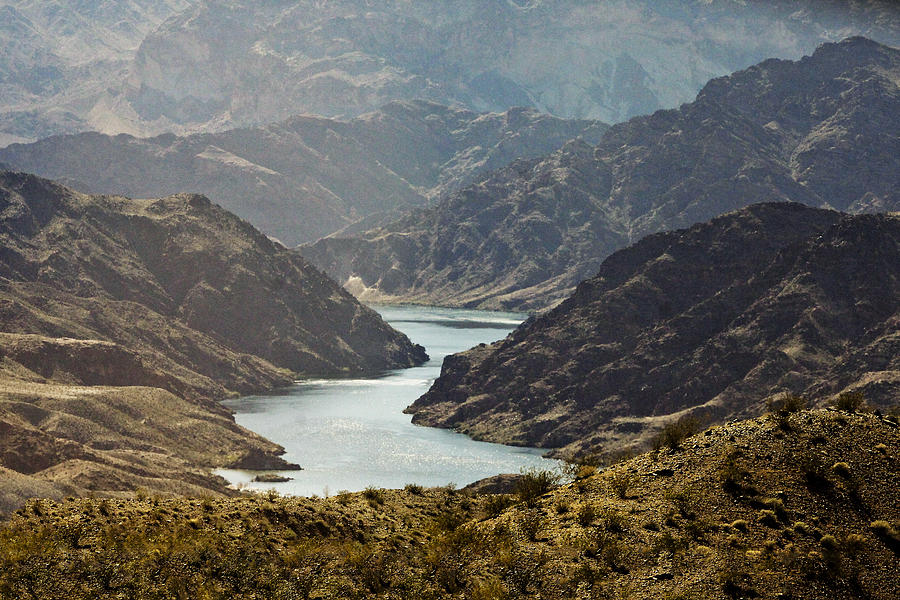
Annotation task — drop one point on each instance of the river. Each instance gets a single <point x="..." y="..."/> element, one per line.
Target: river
<point x="348" y="434"/>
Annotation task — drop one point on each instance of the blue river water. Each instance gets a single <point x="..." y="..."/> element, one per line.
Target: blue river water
<point x="348" y="434"/>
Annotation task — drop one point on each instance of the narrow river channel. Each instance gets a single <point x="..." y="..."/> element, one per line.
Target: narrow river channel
<point x="348" y="434"/>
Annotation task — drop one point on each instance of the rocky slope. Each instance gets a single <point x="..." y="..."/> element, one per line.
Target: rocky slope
<point x="822" y="131"/>
<point x="123" y="321"/>
<point x="745" y="510"/>
<point x="308" y="176"/>
<point x="706" y="322"/>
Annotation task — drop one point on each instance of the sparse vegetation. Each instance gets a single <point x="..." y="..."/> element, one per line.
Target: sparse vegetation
<point x="534" y="483"/>
<point x="677" y="535"/>
<point x="782" y="407"/>
<point x="850" y="401"/>
<point x="674" y="433"/>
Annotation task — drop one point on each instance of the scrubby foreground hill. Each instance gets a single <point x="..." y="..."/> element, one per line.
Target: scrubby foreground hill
<point x="123" y="321"/>
<point x="822" y="131"/>
<point x="802" y="508"/>
<point x="706" y="322"/>
<point x="309" y="176"/>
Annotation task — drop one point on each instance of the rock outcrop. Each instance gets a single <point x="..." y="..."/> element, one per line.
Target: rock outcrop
<point x="822" y="131"/>
<point x="708" y="322"/>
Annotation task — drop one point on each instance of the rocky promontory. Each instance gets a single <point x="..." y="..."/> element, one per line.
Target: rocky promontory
<point x="705" y="323"/>
<point x="123" y="322"/>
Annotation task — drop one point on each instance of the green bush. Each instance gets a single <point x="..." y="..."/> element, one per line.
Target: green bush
<point x="496" y="504"/>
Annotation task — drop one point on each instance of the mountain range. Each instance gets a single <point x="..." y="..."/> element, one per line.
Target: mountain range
<point x="309" y="176"/>
<point x="706" y="323"/>
<point x="821" y="131"/>
<point x="219" y="64"/>
<point x="126" y="321"/>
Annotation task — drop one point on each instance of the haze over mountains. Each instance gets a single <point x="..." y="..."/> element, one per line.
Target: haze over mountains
<point x="706" y="322"/>
<point x="307" y="177"/>
<point x="125" y="321"/>
<point x="822" y="131"/>
<point x="220" y="64"/>
<point x="56" y="56"/>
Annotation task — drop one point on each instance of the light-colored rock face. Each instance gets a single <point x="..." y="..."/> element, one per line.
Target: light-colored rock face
<point x="58" y="56"/>
<point x="254" y="62"/>
<point x="224" y="63"/>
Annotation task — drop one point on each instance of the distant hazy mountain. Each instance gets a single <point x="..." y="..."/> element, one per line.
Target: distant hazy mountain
<point x="226" y="63"/>
<point x="57" y="57"/>
<point x="308" y="176"/>
<point x="823" y="131"/>
<point x="707" y="321"/>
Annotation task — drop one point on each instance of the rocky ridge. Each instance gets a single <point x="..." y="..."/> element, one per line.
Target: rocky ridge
<point x="306" y="177"/>
<point x="822" y="131"/>
<point x="125" y="321"/>
<point x="705" y="323"/>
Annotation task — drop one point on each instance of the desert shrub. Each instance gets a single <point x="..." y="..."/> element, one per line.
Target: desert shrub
<point x="522" y="571"/>
<point x="586" y="514"/>
<point x="530" y="522"/>
<point x="449" y="520"/>
<point x="674" y="433"/>
<point x="414" y="488"/>
<point x="490" y="589"/>
<point x="783" y="406"/>
<point x="612" y="520"/>
<point x="767" y="517"/>
<point x="740" y="525"/>
<point x="620" y="483"/>
<point x="373" y="495"/>
<point x="535" y="483"/>
<point x="581" y="466"/>
<point x="815" y="472"/>
<point x="684" y="501"/>
<point x="495" y="504"/>
<point x="849" y="401"/>
<point x="889" y="533"/>
<point x="842" y="469"/>
<point x="669" y="543"/>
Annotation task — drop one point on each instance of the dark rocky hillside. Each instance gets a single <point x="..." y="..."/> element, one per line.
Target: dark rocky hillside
<point x="308" y="176"/>
<point x="124" y="321"/>
<point x="705" y="323"/>
<point x="822" y="131"/>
